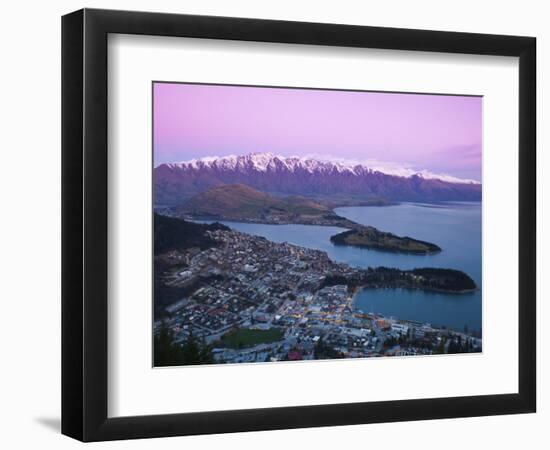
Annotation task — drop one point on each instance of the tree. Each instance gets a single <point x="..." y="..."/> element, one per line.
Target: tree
<point x="441" y="347"/>
<point x="325" y="351"/>
<point x="169" y="353"/>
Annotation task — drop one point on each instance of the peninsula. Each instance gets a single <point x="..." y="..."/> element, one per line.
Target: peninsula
<point x="241" y="203"/>
<point x="243" y="298"/>
<point x="371" y="238"/>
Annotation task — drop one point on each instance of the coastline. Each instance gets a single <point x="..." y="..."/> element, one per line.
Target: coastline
<point x="345" y="224"/>
<point x="390" y="250"/>
<point x="413" y="288"/>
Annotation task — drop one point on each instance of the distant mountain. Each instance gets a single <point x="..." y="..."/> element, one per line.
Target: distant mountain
<point x="240" y="200"/>
<point x="242" y="203"/>
<point x="304" y="177"/>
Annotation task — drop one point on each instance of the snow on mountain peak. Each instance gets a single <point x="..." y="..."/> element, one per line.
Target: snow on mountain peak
<point x="266" y="161"/>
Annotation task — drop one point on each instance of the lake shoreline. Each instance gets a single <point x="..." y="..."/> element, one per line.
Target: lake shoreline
<point x="356" y="298"/>
<point x="372" y="237"/>
<point x="456" y="228"/>
<point x="422" y="289"/>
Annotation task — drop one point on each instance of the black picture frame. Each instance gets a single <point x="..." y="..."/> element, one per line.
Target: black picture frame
<point x="84" y="224"/>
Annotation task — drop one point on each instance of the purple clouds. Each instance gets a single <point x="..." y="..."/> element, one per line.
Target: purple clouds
<point x="436" y="133"/>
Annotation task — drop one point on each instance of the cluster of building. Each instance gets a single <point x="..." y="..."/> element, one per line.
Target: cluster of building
<point x="248" y="282"/>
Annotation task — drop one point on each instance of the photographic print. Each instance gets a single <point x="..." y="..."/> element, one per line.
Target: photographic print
<point x="299" y="224"/>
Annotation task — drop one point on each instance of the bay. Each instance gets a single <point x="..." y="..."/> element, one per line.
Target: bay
<point x="455" y="227"/>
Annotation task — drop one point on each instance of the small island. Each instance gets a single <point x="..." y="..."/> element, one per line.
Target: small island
<point x="373" y="239"/>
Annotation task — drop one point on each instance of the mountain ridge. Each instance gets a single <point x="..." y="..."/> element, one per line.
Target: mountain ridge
<point x="241" y="203"/>
<point x="266" y="161"/>
<point x="175" y="182"/>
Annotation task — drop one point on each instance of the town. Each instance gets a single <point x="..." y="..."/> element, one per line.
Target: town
<point x="252" y="300"/>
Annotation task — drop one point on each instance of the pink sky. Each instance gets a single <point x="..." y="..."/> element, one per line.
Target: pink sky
<point x="438" y="133"/>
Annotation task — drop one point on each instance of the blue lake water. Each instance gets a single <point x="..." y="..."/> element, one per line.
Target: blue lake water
<point x="455" y="227"/>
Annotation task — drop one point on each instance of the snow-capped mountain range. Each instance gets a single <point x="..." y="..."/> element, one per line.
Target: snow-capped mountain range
<point x="264" y="162"/>
<point x="306" y="176"/>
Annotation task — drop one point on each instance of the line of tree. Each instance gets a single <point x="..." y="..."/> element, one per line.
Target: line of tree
<point x="177" y="234"/>
<point x="426" y="278"/>
<point x="324" y="351"/>
<point x="170" y="353"/>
